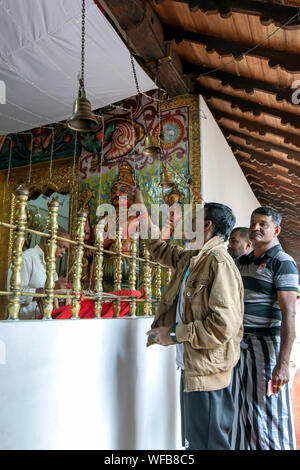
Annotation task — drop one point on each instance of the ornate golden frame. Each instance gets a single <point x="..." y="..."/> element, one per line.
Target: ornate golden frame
<point x="192" y="103"/>
<point x="64" y="179"/>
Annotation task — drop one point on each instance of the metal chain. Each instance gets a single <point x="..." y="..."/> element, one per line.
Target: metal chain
<point x="30" y="160"/>
<point x="134" y="73"/>
<point x="81" y="81"/>
<point x="51" y="154"/>
<point x="137" y="86"/>
<point x="9" y="163"/>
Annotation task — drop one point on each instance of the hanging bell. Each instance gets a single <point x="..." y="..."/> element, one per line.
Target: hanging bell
<point x="83" y="120"/>
<point x="166" y="180"/>
<point x="151" y="146"/>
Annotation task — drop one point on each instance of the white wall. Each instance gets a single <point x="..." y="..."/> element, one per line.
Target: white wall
<point x="86" y="384"/>
<point x="222" y="178"/>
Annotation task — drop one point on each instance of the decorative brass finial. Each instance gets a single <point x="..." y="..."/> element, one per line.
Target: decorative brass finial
<point x="22" y="190"/>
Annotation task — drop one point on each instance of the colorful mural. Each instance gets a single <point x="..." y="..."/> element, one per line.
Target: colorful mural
<point x="37" y="145"/>
<point x="123" y="136"/>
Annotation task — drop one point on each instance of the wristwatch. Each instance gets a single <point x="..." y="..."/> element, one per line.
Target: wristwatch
<point x="173" y="333"/>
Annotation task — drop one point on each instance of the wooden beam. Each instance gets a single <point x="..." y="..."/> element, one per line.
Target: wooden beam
<point x="277" y="203"/>
<point x="139" y="26"/>
<point x="268" y="14"/>
<point x="274" y="185"/>
<point x="247" y="106"/>
<point x="268" y="160"/>
<point x="275" y="197"/>
<point x="226" y="47"/>
<point x="271" y="193"/>
<point x="262" y="144"/>
<point x="291" y="229"/>
<point x="261" y="169"/>
<point x="265" y="182"/>
<point x="238" y="83"/>
<point x="295" y="236"/>
<point x="255" y="126"/>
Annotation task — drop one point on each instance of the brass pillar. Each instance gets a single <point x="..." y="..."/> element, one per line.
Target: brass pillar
<point x="147" y="281"/>
<point x="132" y="273"/>
<point x="77" y="266"/>
<point x="118" y="271"/>
<point x="158" y="282"/>
<point x="14" y="304"/>
<point x="169" y="275"/>
<point x="98" y="287"/>
<point x="53" y="206"/>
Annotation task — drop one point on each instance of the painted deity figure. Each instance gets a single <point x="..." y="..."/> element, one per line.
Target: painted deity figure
<point x="119" y="198"/>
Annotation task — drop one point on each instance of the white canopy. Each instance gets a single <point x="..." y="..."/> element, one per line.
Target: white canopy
<point x="40" y="55"/>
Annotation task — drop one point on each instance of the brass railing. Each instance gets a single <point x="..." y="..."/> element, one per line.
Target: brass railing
<point x="49" y="293"/>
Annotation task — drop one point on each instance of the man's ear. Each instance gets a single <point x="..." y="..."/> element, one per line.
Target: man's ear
<point x="277" y="231"/>
<point x="248" y="245"/>
<point x="209" y="228"/>
<point x="208" y="224"/>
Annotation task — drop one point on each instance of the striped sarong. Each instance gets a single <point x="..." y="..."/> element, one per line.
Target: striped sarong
<point x="260" y="422"/>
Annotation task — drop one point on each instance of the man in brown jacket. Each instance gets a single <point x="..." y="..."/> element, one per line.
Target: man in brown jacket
<point x="201" y="312"/>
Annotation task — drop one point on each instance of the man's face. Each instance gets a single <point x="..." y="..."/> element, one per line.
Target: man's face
<point x="237" y="245"/>
<point x="262" y="229"/>
<point x="62" y="246"/>
<point x="119" y="195"/>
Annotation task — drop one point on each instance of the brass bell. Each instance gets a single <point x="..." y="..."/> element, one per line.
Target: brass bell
<point x="151" y="146"/>
<point x="166" y="180"/>
<point x="83" y="120"/>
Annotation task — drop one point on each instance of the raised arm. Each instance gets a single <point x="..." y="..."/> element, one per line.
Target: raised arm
<point x="161" y="251"/>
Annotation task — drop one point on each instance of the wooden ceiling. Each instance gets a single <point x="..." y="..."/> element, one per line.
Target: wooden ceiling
<point x="243" y="57"/>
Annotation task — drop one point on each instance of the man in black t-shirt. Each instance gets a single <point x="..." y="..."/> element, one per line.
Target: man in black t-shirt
<point x="263" y="418"/>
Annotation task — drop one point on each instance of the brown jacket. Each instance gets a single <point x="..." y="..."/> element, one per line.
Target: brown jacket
<point x="212" y="311"/>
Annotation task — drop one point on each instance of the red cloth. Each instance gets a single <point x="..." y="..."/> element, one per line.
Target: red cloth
<point x="87" y="307"/>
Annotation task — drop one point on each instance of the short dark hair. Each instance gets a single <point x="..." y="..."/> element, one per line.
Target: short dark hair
<point x="222" y="218"/>
<point x="270" y="212"/>
<point x="244" y="231"/>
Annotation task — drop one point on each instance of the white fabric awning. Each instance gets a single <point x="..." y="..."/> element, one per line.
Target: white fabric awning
<point x="40" y="54"/>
